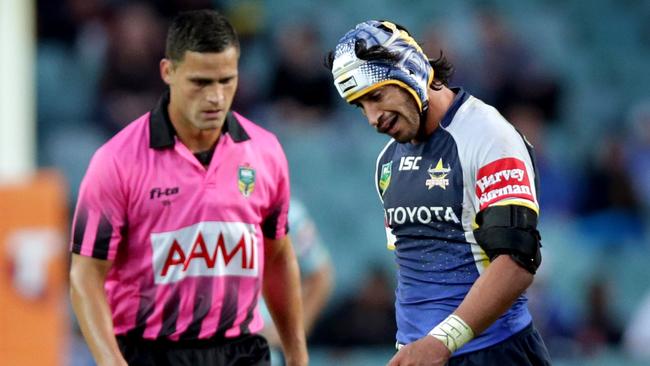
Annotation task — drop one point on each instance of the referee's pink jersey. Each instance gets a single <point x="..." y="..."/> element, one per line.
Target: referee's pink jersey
<point x="186" y="241"/>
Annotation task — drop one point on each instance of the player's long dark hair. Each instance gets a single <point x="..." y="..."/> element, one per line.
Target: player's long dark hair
<point x="199" y="31"/>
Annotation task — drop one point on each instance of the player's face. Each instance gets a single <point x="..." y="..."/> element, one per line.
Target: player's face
<point x="391" y="110"/>
<point x="202" y="87"/>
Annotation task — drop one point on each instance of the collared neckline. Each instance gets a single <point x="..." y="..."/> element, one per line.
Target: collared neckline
<point x="162" y="132"/>
<point x="459" y="99"/>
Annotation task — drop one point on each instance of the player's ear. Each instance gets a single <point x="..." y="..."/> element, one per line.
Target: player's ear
<point x="166" y="70"/>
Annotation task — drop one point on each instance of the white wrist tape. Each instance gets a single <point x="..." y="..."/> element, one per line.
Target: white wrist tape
<point x="453" y="332"/>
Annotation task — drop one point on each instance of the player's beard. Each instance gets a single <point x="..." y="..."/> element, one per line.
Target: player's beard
<point x="420" y="133"/>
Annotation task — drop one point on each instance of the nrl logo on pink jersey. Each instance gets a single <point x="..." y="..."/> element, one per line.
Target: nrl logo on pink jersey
<point x="205" y="249"/>
<point x="246" y="180"/>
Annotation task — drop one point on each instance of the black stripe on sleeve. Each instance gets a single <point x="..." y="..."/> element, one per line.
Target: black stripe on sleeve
<point x="103" y="238"/>
<point x="270" y="224"/>
<point x="79" y="229"/>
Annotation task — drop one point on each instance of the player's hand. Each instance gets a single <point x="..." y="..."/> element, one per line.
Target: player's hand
<point x="426" y="351"/>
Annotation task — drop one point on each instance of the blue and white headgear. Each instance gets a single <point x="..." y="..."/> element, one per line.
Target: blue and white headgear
<point x="354" y="77"/>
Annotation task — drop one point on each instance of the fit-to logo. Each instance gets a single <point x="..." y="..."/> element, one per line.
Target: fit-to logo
<point x="409" y="163"/>
<point x="159" y="192"/>
<point x="205" y="249"/>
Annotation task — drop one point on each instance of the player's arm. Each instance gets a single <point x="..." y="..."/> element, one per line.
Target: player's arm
<point x="316" y="289"/>
<point x="490" y="296"/>
<point x="508" y="235"/>
<point x="493" y="293"/>
<point x="506" y="230"/>
<point x="282" y="294"/>
<point x="96" y="235"/>
<point x="87" y="276"/>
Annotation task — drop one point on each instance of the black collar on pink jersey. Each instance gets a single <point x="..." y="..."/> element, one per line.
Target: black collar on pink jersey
<point x="162" y="132"/>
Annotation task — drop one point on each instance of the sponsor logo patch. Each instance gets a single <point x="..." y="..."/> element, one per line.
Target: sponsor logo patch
<point x="158" y="192"/>
<point x="422" y="214"/>
<point x="205" y="249"/>
<point x="246" y="180"/>
<point x="384" y="179"/>
<point x="409" y="163"/>
<point x="438" y="176"/>
<point x="501" y="179"/>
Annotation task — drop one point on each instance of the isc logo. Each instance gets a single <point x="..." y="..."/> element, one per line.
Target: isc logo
<point x="409" y="163"/>
<point x="205" y="249"/>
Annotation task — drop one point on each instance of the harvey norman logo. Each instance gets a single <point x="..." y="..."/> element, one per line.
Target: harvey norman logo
<point x="205" y="249"/>
<point x="503" y="178"/>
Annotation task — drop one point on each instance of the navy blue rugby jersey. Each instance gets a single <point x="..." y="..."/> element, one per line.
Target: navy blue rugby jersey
<point x="431" y="193"/>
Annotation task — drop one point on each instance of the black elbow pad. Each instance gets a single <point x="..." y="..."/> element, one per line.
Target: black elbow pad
<point x="512" y="230"/>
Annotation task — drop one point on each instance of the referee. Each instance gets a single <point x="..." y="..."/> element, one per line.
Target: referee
<point x="181" y="223"/>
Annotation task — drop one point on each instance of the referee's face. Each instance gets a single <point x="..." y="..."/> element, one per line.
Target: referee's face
<point x="202" y="87"/>
<point x="391" y="110"/>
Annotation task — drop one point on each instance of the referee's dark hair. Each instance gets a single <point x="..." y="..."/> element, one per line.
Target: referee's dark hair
<point x="199" y="31"/>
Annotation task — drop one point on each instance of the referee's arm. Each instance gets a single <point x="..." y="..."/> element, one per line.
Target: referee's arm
<point x="87" y="276"/>
<point x="282" y="294"/>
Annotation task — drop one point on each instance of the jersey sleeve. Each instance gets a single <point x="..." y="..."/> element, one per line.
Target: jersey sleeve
<point x="99" y="216"/>
<point x="503" y="171"/>
<point x="275" y="224"/>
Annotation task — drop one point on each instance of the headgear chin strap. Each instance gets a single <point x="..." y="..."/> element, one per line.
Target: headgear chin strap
<point x="354" y="77"/>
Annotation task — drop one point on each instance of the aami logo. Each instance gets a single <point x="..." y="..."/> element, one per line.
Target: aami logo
<point x="158" y="192"/>
<point x="205" y="249"/>
<point x="503" y="178"/>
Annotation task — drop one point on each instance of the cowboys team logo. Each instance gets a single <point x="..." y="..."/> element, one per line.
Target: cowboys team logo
<point x="246" y="180"/>
<point x="384" y="179"/>
<point x="438" y="176"/>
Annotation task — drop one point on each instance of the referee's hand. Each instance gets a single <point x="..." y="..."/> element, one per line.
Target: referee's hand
<point x="426" y="351"/>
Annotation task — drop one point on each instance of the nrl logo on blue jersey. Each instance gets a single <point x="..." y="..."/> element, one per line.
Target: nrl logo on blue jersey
<point x="384" y="179"/>
<point x="438" y="176"/>
<point x="246" y="180"/>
